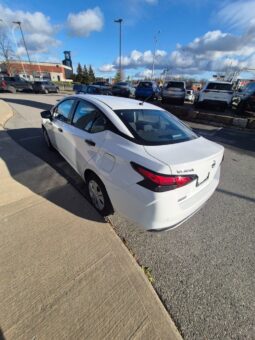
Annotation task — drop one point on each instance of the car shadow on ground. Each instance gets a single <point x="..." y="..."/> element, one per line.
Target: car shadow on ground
<point x="26" y="102"/>
<point x="40" y="178"/>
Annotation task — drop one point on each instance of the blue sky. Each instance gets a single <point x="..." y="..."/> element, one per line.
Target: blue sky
<point x="197" y="38"/>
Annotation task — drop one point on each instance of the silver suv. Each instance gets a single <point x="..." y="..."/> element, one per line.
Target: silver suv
<point x="174" y="91"/>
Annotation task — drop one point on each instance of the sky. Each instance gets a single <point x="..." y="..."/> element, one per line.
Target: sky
<point x="192" y="38"/>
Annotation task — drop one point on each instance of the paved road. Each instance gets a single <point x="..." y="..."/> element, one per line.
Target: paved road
<point x="204" y="270"/>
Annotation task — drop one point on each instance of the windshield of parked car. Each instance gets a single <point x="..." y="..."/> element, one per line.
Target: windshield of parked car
<point x="219" y="86"/>
<point x="155" y="127"/>
<point x="145" y="84"/>
<point x="176" y="84"/>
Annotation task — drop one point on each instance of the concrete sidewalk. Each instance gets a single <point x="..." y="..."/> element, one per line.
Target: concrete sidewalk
<point x="64" y="273"/>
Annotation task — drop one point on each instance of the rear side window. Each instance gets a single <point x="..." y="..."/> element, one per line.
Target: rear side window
<point x="219" y="86"/>
<point x="63" y="111"/>
<point x="155" y="127"/>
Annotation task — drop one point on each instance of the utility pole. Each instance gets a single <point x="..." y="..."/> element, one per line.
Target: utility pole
<point x="24" y="42"/>
<point x="154" y="53"/>
<point x="119" y="21"/>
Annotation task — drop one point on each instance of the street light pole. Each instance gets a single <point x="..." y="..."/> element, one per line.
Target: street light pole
<point x="119" y="21"/>
<point x="154" y="53"/>
<point x="24" y="42"/>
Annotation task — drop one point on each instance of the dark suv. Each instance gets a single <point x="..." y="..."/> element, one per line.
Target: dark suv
<point x="14" y="84"/>
<point x="244" y="100"/>
<point x="45" y="87"/>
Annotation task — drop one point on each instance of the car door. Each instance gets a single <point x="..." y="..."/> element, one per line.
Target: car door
<point x="88" y="129"/>
<point x="59" y="129"/>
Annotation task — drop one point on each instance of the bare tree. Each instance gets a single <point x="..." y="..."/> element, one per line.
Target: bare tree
<point x="6" y="51"/>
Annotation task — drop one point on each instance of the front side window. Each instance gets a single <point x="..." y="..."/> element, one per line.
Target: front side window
<point x="155" y="127"/>
<point x="89" y="118"/>
<point x="63" y="111"/>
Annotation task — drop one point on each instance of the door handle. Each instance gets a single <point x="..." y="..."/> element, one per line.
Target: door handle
<point x="90" y="142"/>
<point x="60" y="130"/>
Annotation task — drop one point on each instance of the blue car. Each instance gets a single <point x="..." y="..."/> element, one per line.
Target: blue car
<point x="147" y="90"/>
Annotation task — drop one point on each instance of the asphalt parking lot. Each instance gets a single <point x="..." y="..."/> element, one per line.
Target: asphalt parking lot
<point x="204" y="269"/>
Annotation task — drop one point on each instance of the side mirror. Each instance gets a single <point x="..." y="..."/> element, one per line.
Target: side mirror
<point x="46" y="114"/>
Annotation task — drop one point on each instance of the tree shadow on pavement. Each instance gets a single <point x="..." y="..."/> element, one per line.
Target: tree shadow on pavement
<point x="26" y="102"/>
<point x="41" y="174"/>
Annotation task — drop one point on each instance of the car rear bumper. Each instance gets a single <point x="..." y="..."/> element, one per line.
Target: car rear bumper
<point x="214" y="102"/>
<point x="165" y="210"/>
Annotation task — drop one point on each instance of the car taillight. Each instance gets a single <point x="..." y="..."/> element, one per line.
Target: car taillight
<point x="159" y="182"/>
<point x="3" y="83"/>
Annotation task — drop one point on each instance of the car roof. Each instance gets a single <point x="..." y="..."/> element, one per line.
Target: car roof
<point x="117" y="103"/>
<point x="219" y="82"/>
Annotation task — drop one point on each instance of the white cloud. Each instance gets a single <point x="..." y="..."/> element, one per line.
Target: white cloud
<point x="35" y="22"/>
<point x="83" y="23"/>
<point x="107" y="68"/>
<point x="38" y="30"/>
<point x="238" y="14"/>
<point x="144" y="74"/>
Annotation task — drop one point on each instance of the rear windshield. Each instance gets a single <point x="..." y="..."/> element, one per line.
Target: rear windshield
<point x="176" y="84"/>
<point x="155" y="127"/>
<point x="145" y="84"/>
<point x="121" y="84"/>
<point x="219" y="86"/>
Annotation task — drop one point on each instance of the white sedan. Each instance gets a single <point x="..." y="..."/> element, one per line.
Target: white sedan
<point x="136" y="158"/>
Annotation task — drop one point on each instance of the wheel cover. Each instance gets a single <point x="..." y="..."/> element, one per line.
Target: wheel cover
<point x="96" y="195"/>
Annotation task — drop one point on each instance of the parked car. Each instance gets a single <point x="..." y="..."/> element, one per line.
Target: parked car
<point x="101" y="83"/>
<point x="217" y="93"/>
<point x="244" y="100"/>
<point x="123" y="89"/>
<point x="147" y="90"/>
<point x="174" y="91"/>
<point x="79" y="88"/>
<point x="14" y="84"/>
<point x="93" y="89"/>
<point x="45" y="87"/>
<point x="136" y="158"/>
<point x="190" y="96"/>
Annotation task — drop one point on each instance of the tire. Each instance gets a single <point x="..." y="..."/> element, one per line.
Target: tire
<point x="197" y="105"/>
<point x="98" y="195"/>
<point x="240" y="110"/>
<point x="47" y="139"/>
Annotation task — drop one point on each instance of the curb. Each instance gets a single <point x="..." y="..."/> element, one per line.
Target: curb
<point x="6" y="112"/>
<point x="197" y="116"/>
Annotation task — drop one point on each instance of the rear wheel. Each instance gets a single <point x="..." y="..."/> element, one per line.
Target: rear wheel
<point x="98" y="195"/>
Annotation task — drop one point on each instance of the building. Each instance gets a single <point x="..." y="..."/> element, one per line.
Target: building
<point x="68" y="62"/>
<point x="37" y="70"/>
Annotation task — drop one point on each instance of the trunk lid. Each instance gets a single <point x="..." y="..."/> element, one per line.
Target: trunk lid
<point x="199" y="157"/>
